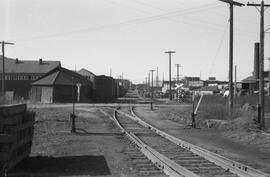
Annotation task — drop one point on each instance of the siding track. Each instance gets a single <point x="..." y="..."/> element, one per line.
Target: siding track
<point x="176" y="157"/>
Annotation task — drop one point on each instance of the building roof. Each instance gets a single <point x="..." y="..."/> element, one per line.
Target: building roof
<point x="28" y="66"/>
<point x="86" y="72"/>
<point x="249" y="79"/>
<point x="252" y="80"/>
<point x="168" y="82"/>
<point x="104" y="76"/>
<point x="61" y="76"/>
<point x="209" y="88"/>
<point x="192" y="78"/>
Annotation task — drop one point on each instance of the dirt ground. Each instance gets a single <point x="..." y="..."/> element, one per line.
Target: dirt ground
<point x="237" y="139"/>
<point x="98" y="150"/>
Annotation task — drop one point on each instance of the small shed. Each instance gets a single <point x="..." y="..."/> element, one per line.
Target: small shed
<point x="61" y="85"/>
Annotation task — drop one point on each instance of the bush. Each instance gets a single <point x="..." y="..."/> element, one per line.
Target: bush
<point x="216" y="107"/>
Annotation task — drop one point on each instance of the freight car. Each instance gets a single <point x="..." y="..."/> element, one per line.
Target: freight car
<point x="105" y="89"/>
<point x="123" y="86"/>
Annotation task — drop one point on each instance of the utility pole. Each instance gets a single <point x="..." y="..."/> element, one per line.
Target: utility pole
<point x="170" y="84"/>
<point x="269" y="79"/>
<point x="177" y="69"/>
<point x="261" y="53"/>
<point x="149" y="79"/>
<point x="152" y="84"/>
<point x="3" y="60"/>
<point x="232" y="4"/>
<point x="235" y="80"/>
<point x="162" y="77"/>
<point x="157" y="78"/>
<point x="152" y="89"/>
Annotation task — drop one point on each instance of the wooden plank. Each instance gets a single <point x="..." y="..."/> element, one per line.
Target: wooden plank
<point x="4" y="156"/>
<point x="21" y="142"/>
<point x="29" y="116"/>
<point x="22" y="126"/>
<point x="19" y="158"/>
<point x="10" y="110"/>
<point x="13" y="120"/>
<point x="5" y="138"/>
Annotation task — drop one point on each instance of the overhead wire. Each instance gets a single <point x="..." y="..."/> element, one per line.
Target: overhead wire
<point x="167" y="15"/>
<point x="188" y="20"/>
<point x="218" y="50"/>
<point x="124" y="23"/>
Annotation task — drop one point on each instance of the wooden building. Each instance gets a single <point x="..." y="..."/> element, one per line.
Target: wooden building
<point x="19" y="74"/>
<point x="61" y="85"/>
<point x="88" y="74"/>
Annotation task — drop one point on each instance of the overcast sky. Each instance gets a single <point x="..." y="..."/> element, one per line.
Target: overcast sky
<point x="131" y="36"/>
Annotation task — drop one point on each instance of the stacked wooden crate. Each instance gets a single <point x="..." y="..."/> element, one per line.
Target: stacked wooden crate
<point x="16" y="134"/>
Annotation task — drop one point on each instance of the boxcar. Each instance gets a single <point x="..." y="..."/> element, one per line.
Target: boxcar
<point x="105" y="88"/>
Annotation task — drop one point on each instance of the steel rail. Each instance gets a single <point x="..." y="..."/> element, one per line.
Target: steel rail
<point x="168" y="166"/>
<point x="227" y="164"/>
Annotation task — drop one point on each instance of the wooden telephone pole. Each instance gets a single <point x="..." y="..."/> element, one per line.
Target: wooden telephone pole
<point x="170" y="79"/>
<point x="262" y="9"/>
<point x="3" y="58"/>
<point x="269" y="78"/>
<point x="232" y="4"/>
<point x="177" y="69"/>
<point x="235" y="80"/>
<point x="157" y="82"/>
<point x="152" y="83"/>
<point x="149" y="79"/>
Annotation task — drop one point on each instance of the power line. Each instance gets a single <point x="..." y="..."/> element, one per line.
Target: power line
<point x="218" y="50"/>
<point x="124" y="23"/>
<point x="194" y="19"/>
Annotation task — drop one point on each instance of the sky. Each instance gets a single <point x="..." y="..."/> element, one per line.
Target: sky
<point x="130" y="36"/>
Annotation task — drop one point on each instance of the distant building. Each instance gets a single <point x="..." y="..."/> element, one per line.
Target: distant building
<point x="212" y="78"/>
<point x="251" y="84"/>
<point x="88" y="74"/>
<point x="195" y="84"/>
<point x="192" y="82"/>
<point x="214" y="82"/>
<point x="61" y="85"/>
<point x="207" y="90"/>
<point x="166" y="85"/>
<point x="19" y="74"/>
<point x="192" y="78"/>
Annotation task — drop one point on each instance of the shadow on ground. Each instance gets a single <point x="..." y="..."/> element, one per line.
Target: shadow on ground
<point x="62" y="166"/>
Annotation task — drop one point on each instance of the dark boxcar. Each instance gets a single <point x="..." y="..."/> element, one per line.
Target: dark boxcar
<point x="105" y="89"/>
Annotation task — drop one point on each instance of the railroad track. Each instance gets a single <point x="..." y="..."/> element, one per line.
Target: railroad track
<point x="142" y="164"/>
<point x="176" y="157"/>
